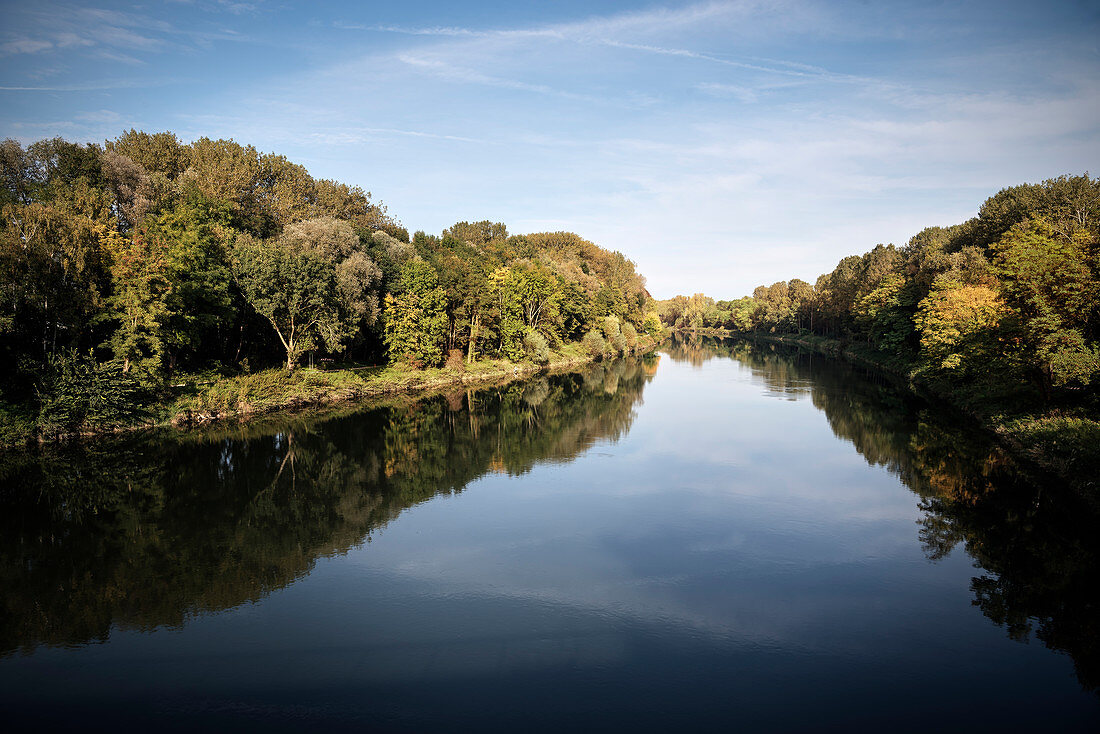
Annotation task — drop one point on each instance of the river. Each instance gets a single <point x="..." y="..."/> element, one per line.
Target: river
<point x="719" y="536"/>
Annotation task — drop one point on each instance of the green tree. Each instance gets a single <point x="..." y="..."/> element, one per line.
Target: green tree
<point x="312" y="283"/>
<point x="154" y="152"/>
<point x="1047" y="278"/>
<point x="885" y="314"/>
<point x="416" y="320"/>
<point x="960" y="328"/>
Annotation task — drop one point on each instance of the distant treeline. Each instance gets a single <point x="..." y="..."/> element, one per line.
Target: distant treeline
<point x="124" y="265"/>
<point x="1003" y="307"/>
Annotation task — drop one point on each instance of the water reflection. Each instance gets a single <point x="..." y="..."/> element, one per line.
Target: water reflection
<point x="1033" y="541"/>
<point x="141" y="534"/>
<point x="145" y="534"/>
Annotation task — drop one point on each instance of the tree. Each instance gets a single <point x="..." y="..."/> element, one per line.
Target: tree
<point x="741" y="313"/>
<point x="959" y="327"/>
<point x="477" y="233"/>
<point x="416" y="320"/>
<point x="652" y="324"/>
<point x="801" y="296"/>
<point x="139" y="271"/>
<point x="885" y="314"/>
<point x="312" y="283"/>
<point x="225" y="171"/>
<point x="695" y="310"/>
<point x="54" y="272"/>
<point x="154" y="152"/>
<point x="509" y="321"/>
<point x="285" y="191"/>
<point x="1047" y="278"/>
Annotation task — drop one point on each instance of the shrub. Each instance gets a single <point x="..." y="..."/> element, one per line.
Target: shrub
<point x="630" y="334"/>
<point x="77" y="392"/>
<point x="594" y="343"/>
<point x="536" y="347"/>
<point x="618" y="343"/>
<point x="455" y="360"/>
<point x="652" y="325"/>
<point x="610" y="326"/>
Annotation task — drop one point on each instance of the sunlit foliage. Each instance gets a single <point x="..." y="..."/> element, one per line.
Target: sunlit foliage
<point x="1005" y="306"/>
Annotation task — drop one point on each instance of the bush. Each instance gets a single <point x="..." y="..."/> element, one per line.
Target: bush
<point x="615" y="339"/>
<point x="455" y="360"/>
<point x="610" y="326"/>
<point x="76" y="392"/>
<point x="653" y="325"/>
<point x="618" y="343"/>
<point x="594" y="343"/>
<point x="630" y="334"/>
<point x="536" y="347"/>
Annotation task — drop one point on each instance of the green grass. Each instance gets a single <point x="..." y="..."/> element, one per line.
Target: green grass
<point x="269" y="390"/>
<point x="211" y="395"/>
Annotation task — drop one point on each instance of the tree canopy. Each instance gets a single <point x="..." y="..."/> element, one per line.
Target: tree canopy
<point x="1005" y="303"/>
<point x="164" y="256"/>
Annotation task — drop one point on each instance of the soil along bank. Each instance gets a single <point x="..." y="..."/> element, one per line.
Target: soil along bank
<point x="1067" y="446"/>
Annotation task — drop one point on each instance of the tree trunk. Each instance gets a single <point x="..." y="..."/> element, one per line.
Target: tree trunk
<point x="475" y="325"/>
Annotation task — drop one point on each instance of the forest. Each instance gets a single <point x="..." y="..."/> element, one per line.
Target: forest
<point x="1000" y="314"/>
<point x="132" y="266"/>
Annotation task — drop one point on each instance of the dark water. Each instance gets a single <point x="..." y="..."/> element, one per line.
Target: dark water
<point x="724" y="537"/>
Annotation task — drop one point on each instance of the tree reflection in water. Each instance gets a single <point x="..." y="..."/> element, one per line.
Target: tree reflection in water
<point x="1034" y="541"/>
<point x="141" y="534"/>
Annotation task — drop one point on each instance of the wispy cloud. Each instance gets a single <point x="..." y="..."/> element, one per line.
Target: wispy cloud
<point x="112" y="35"/>
<point x="25" y="46"/>
<point x="120" y="57"/>
<point x="780" y="68"/>
<point x="353" y="135"/>
<point x="617" y="31"/>
<point x="766" y="139"/>
<point x="747" y="95"/>
<point x="472" y="76"/>
<point x="96" y="86"/>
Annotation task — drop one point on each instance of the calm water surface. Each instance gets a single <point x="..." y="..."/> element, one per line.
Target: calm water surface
<point x="720" y="537"/>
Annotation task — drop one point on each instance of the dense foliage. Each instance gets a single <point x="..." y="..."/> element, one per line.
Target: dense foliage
<point x="158" y="258"/>
<point x="1002" y="308"/>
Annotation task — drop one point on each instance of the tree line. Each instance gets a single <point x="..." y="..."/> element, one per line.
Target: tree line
<point x="1001" y="307"/>
<point x="128" y="264"/>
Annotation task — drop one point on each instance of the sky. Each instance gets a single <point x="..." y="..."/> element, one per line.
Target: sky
<point x="718" y="145"/>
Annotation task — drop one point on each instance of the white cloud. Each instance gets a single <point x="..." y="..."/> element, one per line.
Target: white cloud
<point x="719" y="145"/>
<point x="24" y="46"/>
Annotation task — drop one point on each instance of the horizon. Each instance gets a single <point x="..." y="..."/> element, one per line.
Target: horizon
<point x="720" y="146"/>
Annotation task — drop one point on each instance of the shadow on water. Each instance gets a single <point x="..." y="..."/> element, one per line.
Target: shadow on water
<point x="1034" y="542"/>
<point x="142" y="534"/>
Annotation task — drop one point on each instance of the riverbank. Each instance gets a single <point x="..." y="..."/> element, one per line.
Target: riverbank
<point x="241" y="397"/>
<point x="1065" y="445"/>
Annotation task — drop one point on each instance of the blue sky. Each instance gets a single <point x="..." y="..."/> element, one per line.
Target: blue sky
<point x="719" y="145"/>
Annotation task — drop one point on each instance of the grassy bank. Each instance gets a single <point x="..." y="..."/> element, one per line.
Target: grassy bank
<point x="244" y="396"/>
<point x="1065" y="443"/>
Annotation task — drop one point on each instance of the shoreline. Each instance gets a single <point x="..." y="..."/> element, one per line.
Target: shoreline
<point x="245" y="397"/>
<point x="1062" y="447"/>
